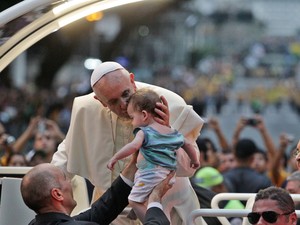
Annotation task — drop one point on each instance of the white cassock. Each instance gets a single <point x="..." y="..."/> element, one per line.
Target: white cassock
<point x="95" y="134"/>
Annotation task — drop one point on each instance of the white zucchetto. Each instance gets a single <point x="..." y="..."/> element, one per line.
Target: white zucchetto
<point x="102" y="69"/>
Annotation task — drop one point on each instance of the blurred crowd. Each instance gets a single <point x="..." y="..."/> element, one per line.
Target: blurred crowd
<point x="32" y="125"/>
<point x="34" y="122"/>
<point x="241" y="166"/>
<point x="22" y="110"/>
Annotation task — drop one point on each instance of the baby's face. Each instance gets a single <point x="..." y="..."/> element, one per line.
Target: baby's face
<point x="138" y="117"/>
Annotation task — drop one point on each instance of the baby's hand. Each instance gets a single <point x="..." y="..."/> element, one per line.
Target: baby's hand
<point x="111" y="164"/>
<point x="195" y="165"/>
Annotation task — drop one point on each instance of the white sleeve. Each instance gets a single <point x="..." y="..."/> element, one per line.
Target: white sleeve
<point x="189" y="123"/>
<point x="155" y="204"/>
<point x="60" y="159"/>
<point x="127" y="181"/>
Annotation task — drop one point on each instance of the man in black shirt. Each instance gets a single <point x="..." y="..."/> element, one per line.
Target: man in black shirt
<point x="244" y="179"/>
<point x="46" y="190"/>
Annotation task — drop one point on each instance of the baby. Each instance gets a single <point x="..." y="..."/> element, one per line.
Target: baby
<point x="157" y="145"/>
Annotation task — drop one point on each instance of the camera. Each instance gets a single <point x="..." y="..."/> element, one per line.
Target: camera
<point x="252" y="121"/>
<point x="9" y="140"/>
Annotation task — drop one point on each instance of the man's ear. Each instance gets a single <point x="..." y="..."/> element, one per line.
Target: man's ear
<point x="57" y="194"/>
<point x="95" y="97"/>
<point x="131" y="75"/>
<point x="293" y="217"/>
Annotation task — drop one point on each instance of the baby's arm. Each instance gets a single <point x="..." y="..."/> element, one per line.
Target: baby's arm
<point x="188" y="147"/>
<point x="127" y="150"/>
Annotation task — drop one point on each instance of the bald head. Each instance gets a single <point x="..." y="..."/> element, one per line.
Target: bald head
<point x="103" y="69"/>
<point x="37" y="184"/>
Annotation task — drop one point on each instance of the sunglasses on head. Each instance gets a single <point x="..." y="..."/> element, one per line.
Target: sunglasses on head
<point x="268" y="216"/>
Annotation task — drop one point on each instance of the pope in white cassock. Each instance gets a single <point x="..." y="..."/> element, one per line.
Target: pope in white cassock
<point x="100" y="126"/>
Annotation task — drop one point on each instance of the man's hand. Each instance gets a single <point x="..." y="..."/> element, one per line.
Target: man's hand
<point x="283" y="140"/>
<point x="260" y="124"/>
<point x="162" y="109"/>
<point x="214" y="124"/>
<point x="160" y="190"/>
<point x="55" y="130"/>
<point x="242" y="123"/>
<point x="32" y="126"/>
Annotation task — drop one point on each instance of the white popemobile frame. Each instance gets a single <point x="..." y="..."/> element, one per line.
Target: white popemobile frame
<point x="63" y="13"/>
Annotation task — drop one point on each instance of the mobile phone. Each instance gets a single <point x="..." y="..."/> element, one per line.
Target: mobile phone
<point x="9" y="140"/>
<point x="42" y="126"/>
<point x="252" y="122"/>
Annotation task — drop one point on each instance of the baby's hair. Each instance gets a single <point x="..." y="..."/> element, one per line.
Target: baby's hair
<point x="145" y="99"/>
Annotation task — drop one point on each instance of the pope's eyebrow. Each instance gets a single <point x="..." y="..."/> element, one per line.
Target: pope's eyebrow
<point x="113" y="101"/>
<point x="125" y="93"/>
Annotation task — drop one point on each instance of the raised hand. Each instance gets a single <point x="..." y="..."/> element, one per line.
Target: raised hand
<point x="162" y="109"/>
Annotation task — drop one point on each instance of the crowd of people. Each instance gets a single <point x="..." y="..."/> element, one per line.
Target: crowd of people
<point x="275" y="162"/>
<point x="35" y="145"/>
<point x="80" y="140"/>
<point x="240" y="166"/>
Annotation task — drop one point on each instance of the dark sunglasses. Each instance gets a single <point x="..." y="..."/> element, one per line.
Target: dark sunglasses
<point x="268" y="216"/>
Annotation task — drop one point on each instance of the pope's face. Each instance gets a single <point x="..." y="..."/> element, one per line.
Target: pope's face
<point x="114" y="90"/>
